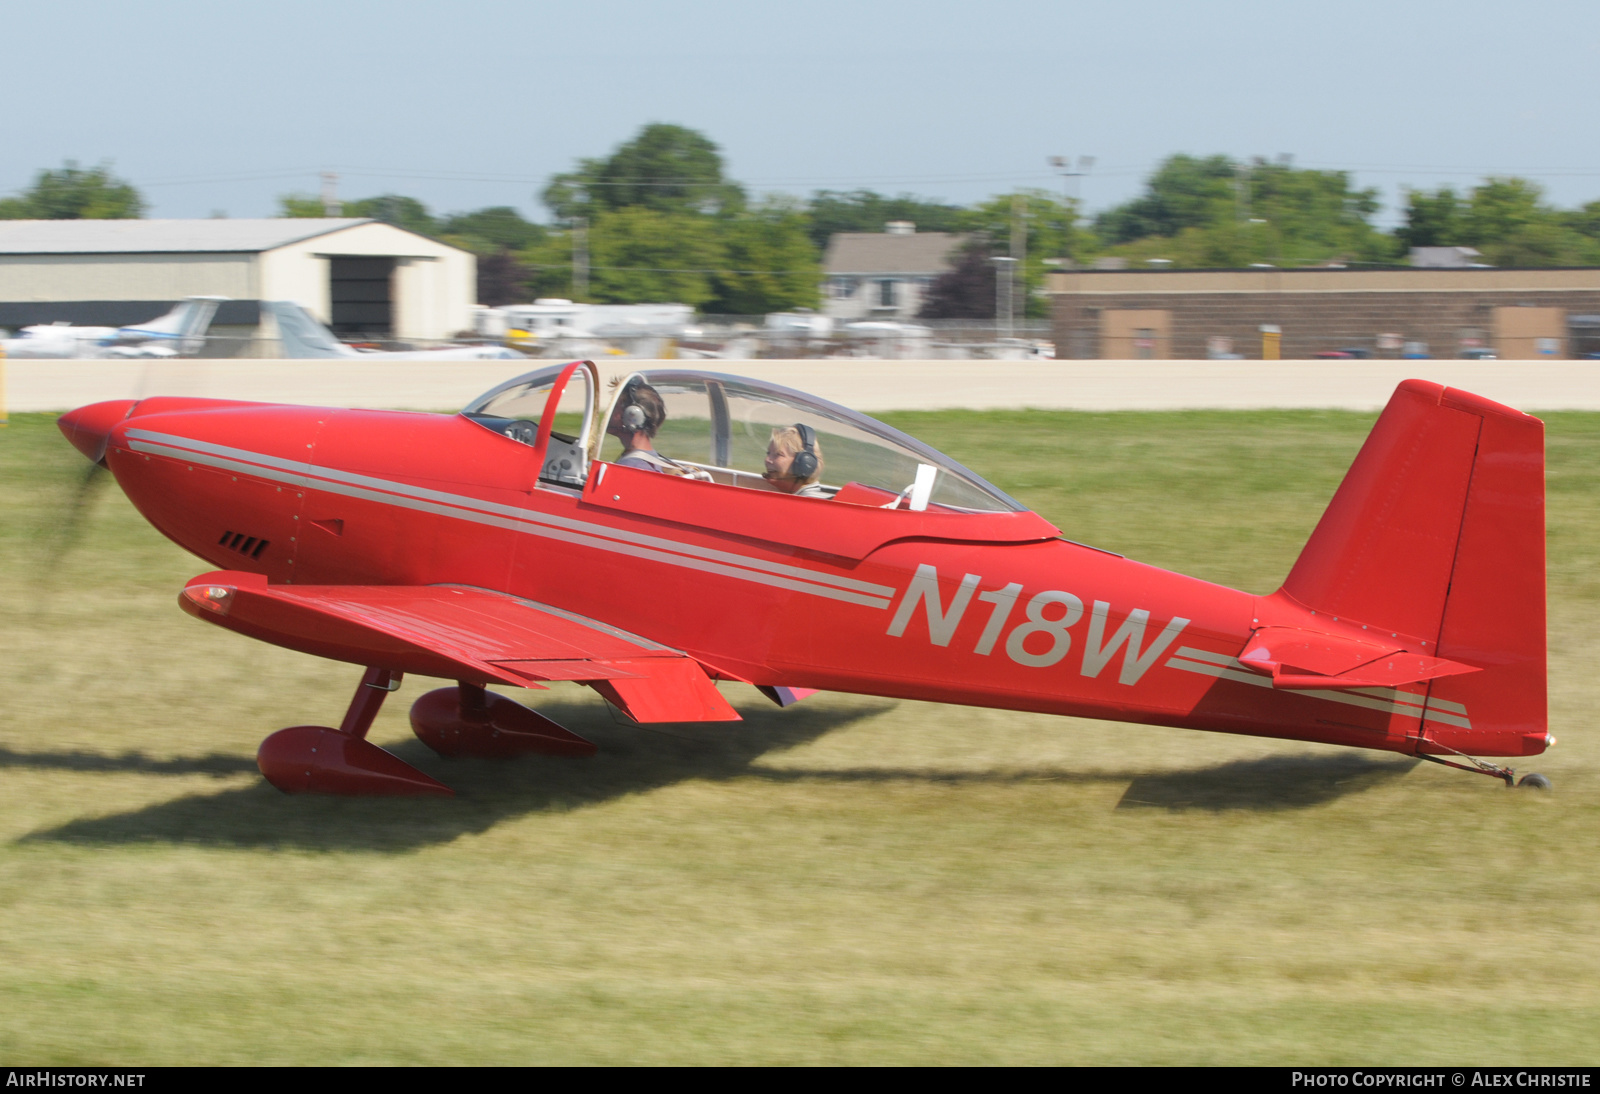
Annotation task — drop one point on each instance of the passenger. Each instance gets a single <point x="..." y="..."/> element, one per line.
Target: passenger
<point x="634" y="421"/>
<point x="794" y="461"/>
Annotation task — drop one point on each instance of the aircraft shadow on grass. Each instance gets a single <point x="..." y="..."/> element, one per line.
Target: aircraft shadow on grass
<point x="633" y="759"/>
<point x="217" y="764"/>
<point x="1266" y="784"/>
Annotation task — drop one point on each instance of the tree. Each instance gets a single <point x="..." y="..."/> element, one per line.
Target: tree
<point x="547" y="266"/>
<point x="490" y="230"/>
<point x="494" y="235"/>
<point x="663" y="223"/>
<point x="502" y="279"/>
<point x="641" y="256"/>
<point x="1507" y="220"/>
<point x="1050" y="227"/>
<point x="665" y="168"/>
<point x="1434" y="219"/>
<point x="1185" y="192"/>
<point x="300" y="206"/>
<point x="865" y="211"/>
<point x="967" y="290"/>
<point x="768" y="262"/>
<point x="397" y="209"/>
<point x="1311" y="216"/>
<point x="1214" y="212"/>
<point x="76" y="193"/>
<point x="1584" y="222"/>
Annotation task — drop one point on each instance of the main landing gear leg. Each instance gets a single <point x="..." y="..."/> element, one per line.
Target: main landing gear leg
<point x="319" y="760"/>
<point x="466" y="720"/>
<point x="1531" y="781"/>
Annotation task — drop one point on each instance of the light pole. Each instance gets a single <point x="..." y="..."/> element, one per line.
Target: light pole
<point x="1069" y="192"/>
<point x="580" y="259"/>
<point x="331" y="205"/>
<point x="1064" y="167"/>
<point x="1019" y="251"/>
<point x="1004" y="272"/>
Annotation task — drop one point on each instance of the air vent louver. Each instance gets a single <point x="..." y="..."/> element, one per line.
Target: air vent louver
<point x="249" y="546"/>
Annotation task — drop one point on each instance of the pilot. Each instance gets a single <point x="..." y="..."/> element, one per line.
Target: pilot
<point x="794" y="461"/>
<point x="634" y="421"/>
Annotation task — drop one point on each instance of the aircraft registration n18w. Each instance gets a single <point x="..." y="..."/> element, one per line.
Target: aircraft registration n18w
<point x="751" y="533"/>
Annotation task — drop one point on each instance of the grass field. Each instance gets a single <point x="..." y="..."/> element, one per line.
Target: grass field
<point x="851" y="880"/>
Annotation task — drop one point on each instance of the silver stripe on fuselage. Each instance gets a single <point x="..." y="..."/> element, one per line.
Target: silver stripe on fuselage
<point x="1391" y="701"/>
<point x="1376" y="692"/>
<point x="311" y="471"/>
<point x="309" y="476"/>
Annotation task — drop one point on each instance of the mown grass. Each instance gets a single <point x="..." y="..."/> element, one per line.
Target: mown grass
<point x="851" y="880"/>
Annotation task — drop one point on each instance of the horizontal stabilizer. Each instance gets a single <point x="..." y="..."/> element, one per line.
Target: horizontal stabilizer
<point x="1299" y="659"/>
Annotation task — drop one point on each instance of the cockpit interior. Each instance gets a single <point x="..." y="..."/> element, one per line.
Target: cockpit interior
<point x="735" y="432"/>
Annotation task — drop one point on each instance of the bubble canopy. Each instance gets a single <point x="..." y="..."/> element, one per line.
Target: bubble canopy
<point x="720" y="427"/>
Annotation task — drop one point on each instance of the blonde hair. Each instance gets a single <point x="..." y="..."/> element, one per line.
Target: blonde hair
<point x="789" y="442"/>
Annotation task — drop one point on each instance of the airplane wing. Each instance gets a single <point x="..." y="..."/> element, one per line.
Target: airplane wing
<point x="463" y="633"/>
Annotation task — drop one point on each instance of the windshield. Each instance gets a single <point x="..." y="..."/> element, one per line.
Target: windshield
<point x="727" y="428"/>
<point x="516" y="408"/>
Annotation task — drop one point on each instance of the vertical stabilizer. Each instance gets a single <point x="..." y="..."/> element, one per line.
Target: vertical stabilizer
<point x="301" y="335"/>
<point x="1437" y="535"/>
<point x="185" y="324"/>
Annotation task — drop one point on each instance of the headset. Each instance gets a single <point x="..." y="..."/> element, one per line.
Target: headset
<point x="633" y="418"/>
<point x="804" y="464"/>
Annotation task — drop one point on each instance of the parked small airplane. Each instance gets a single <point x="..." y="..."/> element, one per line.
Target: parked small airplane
<point x="179" y="333"/>
<point x="752" y="533"/>
<point x="301" y="335"/>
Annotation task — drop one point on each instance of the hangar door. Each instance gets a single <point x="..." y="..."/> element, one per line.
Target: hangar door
<point x="361" y="295"/>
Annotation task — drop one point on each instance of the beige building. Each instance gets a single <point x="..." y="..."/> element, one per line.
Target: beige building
<point x="359" y="276"/>
<point x="884" y="275"/>
<point x="1444" y="313"/>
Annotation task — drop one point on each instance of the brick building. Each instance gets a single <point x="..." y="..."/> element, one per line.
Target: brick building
<point x="1188" y="314"/>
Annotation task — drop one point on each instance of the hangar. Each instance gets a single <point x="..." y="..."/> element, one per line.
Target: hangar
<point x="362" y="277"/>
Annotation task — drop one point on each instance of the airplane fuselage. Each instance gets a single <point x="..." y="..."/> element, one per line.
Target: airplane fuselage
<point x="770" y="589"/>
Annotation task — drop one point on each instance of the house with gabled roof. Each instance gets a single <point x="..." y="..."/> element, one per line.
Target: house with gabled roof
<point x="884" y="275"/>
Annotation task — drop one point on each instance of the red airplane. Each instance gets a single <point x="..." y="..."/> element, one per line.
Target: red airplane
<point x="748" y="532"/>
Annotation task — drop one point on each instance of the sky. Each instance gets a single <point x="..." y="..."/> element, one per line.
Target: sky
<point x="221" y="107"/>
